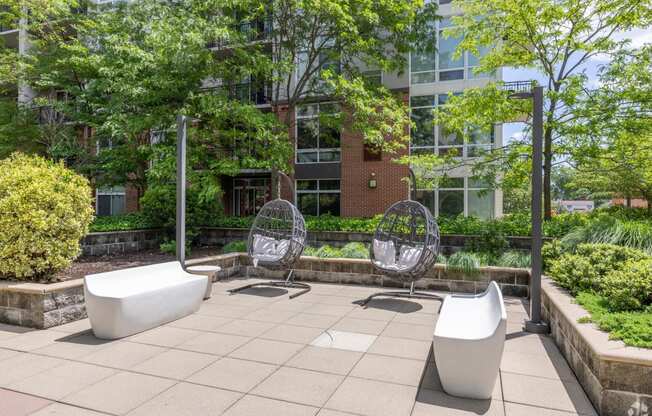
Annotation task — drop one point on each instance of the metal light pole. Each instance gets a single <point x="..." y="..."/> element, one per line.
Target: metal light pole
<point x="182" y="125"/>
<point x="524" y="90"/>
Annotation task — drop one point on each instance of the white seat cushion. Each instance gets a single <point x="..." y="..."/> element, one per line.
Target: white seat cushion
<point x="384" y="252"/>
<point x="264" y="245"/>
<point x="409" y="256"/>
<point x="282" y="247"/>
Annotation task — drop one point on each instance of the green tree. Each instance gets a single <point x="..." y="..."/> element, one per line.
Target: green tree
<point x="555" y="38"/>
<point x="612" y="131"/>
<point x="320" y="49"/>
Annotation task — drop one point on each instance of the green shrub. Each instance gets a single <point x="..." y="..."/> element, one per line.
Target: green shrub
<point x="550" y="251"/>
<point x="355" y="250"/>
<point x="235" y="247"/>
<point x="464" y="262"/>
<point x="132" y="221"/>
<point x="514" y="258"/>
<point x="45" y="209"/>
<point x="170" y="247"/>
<point x="629" y="288"/>
<point x="327" y="251"/>
<point x="610" y="230"/>
<point x="633" y="328"/>
<point x="310" y="251"/>
<point x="584" y="270"/>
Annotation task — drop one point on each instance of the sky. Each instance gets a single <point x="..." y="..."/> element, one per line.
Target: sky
<point x="637" y="37"/>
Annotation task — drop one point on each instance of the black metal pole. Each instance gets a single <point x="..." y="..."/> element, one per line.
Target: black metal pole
<point x="535" y="324"/>
<point x="182" y="124"/>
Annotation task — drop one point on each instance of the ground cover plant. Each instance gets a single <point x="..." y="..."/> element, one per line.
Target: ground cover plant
<point x="613" y="283"/>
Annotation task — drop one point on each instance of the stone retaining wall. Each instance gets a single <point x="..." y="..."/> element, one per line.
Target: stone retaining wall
<point x="449" y="243"/>
<point x="513" y="282"/>
<point x="100" y="244"/>
<point x="616" y="378"/>
<point x="42" y="306"/>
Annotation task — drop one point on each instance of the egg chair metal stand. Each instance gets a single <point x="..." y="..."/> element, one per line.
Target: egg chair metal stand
<point x="276" y="240"/>
<point x="407" y="231"/>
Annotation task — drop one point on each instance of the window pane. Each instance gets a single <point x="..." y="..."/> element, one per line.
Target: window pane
<point x="422" y="101"/>
<point x="451" y="203"/>
<point x="451" y="75"/>
<point x="451" y="151"/>
<point x="478" y="183"/>
<point x="307" y="110"/>
<point x="306" y="185"/>
<point x="423" y="150"/>
<point x="427" y="199"/>
<point x="422" y="61"/>
<point x="307" y="203"/>
<point x="307" y="133"/>
<point x="423" y="130"/>
<point x="307" y="157"/>
<point x="103" y="205"/>
<point x="447" y="182"/>
<point x="329" y="137"/>
<point x="118" y="204"/>
<point x="474" y="60"/>
<point x="447" y="48"/>
<point x="482" y="136"/>
<point x="424" y="77"/>
<point x="329" y="156"/>
<point x="329" y="185"/>
<point x="329" y="204"/>
<point x="481" y="204"/>
<point x="448" y="137"/>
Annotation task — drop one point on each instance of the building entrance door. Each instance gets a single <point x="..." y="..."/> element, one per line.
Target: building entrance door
<point x="249" y="195"/>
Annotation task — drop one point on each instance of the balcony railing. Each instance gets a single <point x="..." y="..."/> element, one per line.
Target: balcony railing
<point x="256" y="31"/>
<point x="246" y="92"/>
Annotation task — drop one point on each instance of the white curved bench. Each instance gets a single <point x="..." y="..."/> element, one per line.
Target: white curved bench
<point x="468" y="342"/>
<point x="124" y="302"/>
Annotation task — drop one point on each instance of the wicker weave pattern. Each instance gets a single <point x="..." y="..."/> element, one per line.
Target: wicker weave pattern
<point x="280" y="220"/>
<point x="408" y="224"/>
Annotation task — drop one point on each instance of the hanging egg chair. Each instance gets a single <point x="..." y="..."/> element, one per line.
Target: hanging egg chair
<point x="276" y="240"/>
<point x="405" y="246"/>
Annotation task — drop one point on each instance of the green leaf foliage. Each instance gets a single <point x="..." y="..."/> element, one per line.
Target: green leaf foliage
<point x="633" y="328"/>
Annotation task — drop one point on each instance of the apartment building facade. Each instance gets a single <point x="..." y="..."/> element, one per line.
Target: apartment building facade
<point x="333" y="171"/>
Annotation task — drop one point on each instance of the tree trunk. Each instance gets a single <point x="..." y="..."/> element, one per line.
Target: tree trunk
<point x="628" y="201"/>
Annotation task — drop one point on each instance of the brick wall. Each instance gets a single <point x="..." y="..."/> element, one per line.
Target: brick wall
<point x="358" y="200"/>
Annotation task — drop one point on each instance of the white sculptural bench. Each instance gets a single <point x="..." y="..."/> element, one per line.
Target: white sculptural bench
<point x="124" y="302"/>
<point x="468" y="342"/>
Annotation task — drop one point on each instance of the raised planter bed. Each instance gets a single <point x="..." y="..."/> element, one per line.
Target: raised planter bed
<point x="45" y="305"/>
<point x="111" y="242"/>
<point x="616" y="378"/>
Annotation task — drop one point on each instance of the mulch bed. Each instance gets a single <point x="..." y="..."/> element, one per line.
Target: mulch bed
<point x="99" y="264"/>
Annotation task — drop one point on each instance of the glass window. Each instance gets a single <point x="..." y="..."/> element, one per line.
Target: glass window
<point x="110" y="201"/>
<point x="373" y="78"/>
<point x="319" y="196"/>
<point x="422" y="101"/>
<point x="427" y="199"/>
<point x="481" y="204"/>
<point x="316" y="140"/>
<point x="447" y="47"/>
<point x="329" y="203"/>
<point x="451" y="203"/>
<point x="307" y="133"/>
<point x="307" y="203"/>
<point x="423" y="130"/>
<point x="448" y="182"/>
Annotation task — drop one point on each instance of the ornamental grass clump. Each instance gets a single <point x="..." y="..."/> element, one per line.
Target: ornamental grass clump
<point x="45" y="209"/>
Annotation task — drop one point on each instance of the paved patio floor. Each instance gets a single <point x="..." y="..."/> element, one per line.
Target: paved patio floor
<point x="251" y="354"/>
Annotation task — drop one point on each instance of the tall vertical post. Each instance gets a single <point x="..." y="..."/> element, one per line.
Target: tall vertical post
<point x="535" y="324"/>
<point x="182" y="125"/>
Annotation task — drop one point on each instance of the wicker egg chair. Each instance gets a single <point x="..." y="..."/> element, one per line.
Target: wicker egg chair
<point x="405" y="247"/>
<point x="276" y="241"/>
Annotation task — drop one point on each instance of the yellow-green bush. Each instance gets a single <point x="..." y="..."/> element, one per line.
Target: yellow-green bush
<point x="45" y="209"/>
